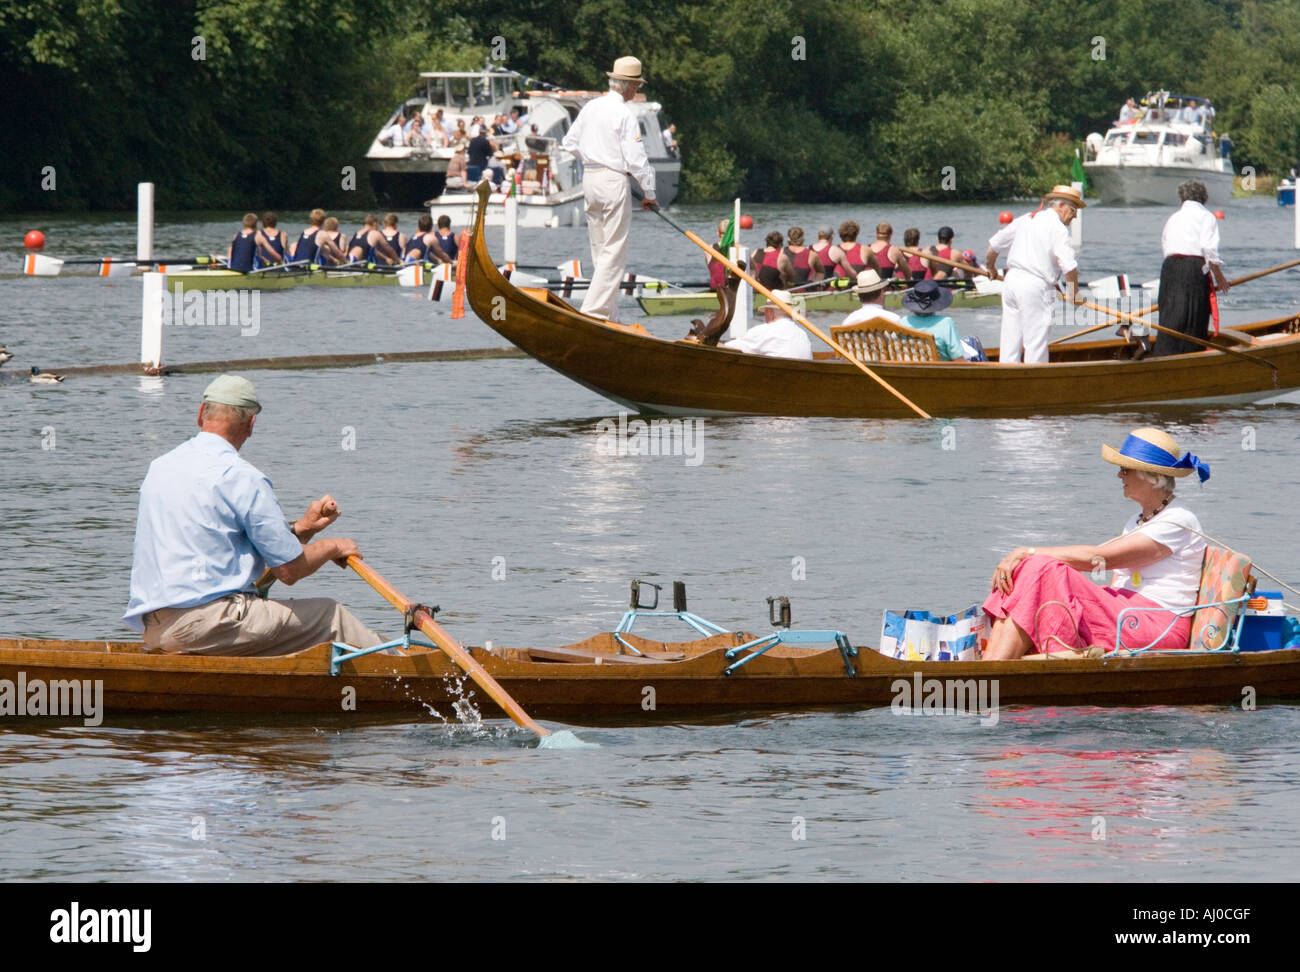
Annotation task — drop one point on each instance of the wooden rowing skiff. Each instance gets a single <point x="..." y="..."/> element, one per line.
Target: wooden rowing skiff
<point x="653" y="375"/>
<point x="597" y="677"/>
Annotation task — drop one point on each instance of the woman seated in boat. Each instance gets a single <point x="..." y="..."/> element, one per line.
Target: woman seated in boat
<point x="923" y="304"/>
<point x="1043" y="600"/>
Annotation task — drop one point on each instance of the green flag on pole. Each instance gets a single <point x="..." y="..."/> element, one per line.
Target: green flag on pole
<point x="1077" y="173"/>
<point x="729" y="237"/>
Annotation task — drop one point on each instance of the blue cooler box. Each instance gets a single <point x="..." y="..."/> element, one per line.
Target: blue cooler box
<point x="1263" y="627"/>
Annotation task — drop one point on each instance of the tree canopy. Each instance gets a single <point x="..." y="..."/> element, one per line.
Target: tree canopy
<point x="236" y="103"/>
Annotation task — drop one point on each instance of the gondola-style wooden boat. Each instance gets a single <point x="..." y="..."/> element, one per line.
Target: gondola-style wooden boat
<point x="598" y="677"/>
<point x="626" y="363"/>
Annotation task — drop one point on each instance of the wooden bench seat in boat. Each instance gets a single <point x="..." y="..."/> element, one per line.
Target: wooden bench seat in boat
<point x="882" y="340"/>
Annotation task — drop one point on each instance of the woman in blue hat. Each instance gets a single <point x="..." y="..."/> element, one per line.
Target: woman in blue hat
<point x="1044" y="601"/>
<point x="923" y="303"/>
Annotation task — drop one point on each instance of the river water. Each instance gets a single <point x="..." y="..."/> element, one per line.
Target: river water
<point x="477" y="485"/>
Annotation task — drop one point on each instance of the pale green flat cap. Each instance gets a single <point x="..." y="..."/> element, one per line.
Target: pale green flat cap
<point x="232" y="390"/>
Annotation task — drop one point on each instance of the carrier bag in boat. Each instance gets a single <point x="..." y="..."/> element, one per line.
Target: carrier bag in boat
<point x="923" y="636"/>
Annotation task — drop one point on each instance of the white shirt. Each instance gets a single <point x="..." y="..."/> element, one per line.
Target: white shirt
<point x="1175" y="581"/>
<point x="1038" y="243"/>
<point x="781" y="338"/>
<point x="606" y="133"/>
<point x="1192" y="231"/>
<point x="394" y="132"/>
<point x="869" y="312"/>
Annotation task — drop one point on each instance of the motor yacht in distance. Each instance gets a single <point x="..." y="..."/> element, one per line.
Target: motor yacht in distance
<point x="1157" y="144"/>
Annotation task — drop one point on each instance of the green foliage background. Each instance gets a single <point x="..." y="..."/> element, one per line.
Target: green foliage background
<point x="886" y="94"/>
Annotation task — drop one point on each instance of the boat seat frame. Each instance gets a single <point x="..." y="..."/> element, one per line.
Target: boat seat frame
<point x="884" y="341"/>
<point x="341" y="652"/>
<point x="1231" y="643"/>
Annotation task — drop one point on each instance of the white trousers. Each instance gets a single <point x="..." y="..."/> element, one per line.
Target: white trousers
<point x="609" y="217"/>
<point x="1027" y="304"/>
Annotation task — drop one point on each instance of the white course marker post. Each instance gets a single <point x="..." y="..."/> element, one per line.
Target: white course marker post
<point x="144" y="222"/>
<point x="151" y="319"/>
<point x="1076" y="227"/>
<point x="745" y="293"/>
<point x="512" y="224"/>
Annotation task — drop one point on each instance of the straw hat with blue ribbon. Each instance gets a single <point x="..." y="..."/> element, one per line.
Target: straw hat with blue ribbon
<point x="1154" y="451"/>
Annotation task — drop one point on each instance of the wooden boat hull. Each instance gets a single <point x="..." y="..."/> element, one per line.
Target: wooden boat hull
<point x="276" y="279"/>
<point x="844" y="301"/>
<point x="644" y="373"/>
<point x="136" y="681"/>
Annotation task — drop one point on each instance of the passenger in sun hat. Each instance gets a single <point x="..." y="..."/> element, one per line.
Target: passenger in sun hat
<point x="1044" y="601"/>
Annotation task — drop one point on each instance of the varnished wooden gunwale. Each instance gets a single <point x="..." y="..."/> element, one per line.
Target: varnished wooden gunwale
<point x="654" y="375"/>
<point x="139" y="681"/>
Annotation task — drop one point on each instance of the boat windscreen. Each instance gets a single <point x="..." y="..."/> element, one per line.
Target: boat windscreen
<point x="1146" y="138"/>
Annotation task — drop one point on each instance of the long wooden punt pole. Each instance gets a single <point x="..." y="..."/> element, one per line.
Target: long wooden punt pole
<point x="435" y="632"/>
<point x="1134" y="319"/>
<point x="952" y="263"/>
<point x="794" y="315"/>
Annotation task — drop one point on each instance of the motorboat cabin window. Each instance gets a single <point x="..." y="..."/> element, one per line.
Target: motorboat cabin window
<point x="1116" y="138"/>
<point x="1175" y="138"/>
<point x="1146" y="138"/>
<point x="458" y="92"/>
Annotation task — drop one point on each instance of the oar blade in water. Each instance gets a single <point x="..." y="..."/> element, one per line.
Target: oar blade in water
<point x="564" y="739"/>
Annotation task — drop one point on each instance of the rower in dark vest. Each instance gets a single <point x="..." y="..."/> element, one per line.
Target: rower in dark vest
<point x="770" y="256"/>
<point x="242" y="247"/>
<point x="795" y="262"/>
<point x="369" y="246"/>
<point x="271" y="243"/>
<point x="330" y="251"/>
<point x="417" y="247"/>
<point x="304" y="250"/>
<point x="945" y="251"/>
<point x="392" y="235"/>
<point x="886" y="253"/>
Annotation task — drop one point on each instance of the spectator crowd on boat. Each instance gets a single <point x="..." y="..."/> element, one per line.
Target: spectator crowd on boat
<point x="322" y="244"/>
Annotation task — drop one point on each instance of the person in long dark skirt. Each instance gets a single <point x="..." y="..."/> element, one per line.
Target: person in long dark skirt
<point x="1191" y="246"/>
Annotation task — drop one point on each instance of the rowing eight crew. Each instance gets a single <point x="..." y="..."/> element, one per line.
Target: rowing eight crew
<point x="323" y="244"/>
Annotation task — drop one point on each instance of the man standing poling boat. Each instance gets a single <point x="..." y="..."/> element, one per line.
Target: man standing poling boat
<point x="606" y="138"/>
<point x="1191" y="246"/>
<point x="208" y="525"/>
<point x="1039" y="254"/>
<point x="1042" y="599"/>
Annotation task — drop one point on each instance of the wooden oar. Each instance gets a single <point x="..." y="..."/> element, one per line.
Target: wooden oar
<point x="434" y="631"/>
<point x="793" y="314"/>
<point x="1232" y="283"/>
<point x="952" y="263"/>
<point x="1134" y="319"/>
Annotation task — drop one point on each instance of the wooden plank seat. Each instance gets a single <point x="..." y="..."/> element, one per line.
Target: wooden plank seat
<point x="882" y="340"/>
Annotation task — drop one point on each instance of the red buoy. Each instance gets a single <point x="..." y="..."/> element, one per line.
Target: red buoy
<point x="34" y="240"/>
<point x="1005" y="217"/>
<point x="1218" y="214"/>
<point x="746" y="221"/>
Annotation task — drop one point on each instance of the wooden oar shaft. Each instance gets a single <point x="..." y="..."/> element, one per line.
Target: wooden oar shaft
<point x="795" y="316"/>
<point x="450" y="646"/>
<point x="944" y="260"/>
<point x="1134" y="319"/>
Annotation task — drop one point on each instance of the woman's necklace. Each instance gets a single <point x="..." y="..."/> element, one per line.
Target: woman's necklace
<point x="1149" y="516"/>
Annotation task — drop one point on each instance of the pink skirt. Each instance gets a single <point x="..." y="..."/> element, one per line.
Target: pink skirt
<point x="1061" y="609"/>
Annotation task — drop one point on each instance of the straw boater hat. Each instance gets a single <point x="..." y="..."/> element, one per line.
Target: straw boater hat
<point x="1067" y="193"/>
<point x="1153" y="451"/>
<point x="869" y="282"/>
<point x="626" y="69"/>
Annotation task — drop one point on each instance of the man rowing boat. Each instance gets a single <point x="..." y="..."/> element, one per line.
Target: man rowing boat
<point x="208" y="526"/>
<point x="243" y="248"/>
<point x="329" y="245"/>
<point x="304" y="249"/>
<point x="423" y="246"/>
<point x="368" y="244"/>
<point x="272" y="243"/>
